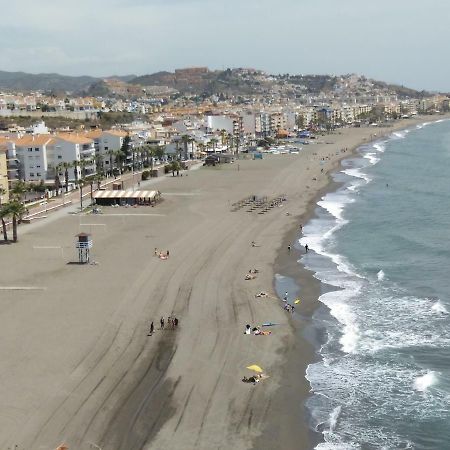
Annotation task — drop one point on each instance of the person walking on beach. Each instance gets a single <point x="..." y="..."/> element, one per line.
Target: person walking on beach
<point x="306" y="248"/>
<point x="289" y="248"/>
<point x="151" y="330"/>
<point x="167" y="253"/>
<point x="162" y="323"/>
<point x="285" y="296"/>
<point x="175" y="322"/>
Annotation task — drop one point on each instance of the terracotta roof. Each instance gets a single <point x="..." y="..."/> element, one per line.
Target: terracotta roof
<point x="33" y="140"/>
<point x="117" y="133"/>
<point x="94" y="134"/>
<point x="5" y="139"/>
<point x="74" y="138"/>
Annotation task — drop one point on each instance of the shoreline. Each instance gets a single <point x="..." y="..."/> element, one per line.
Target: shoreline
<point x="104" y="380"/>
<point x="305" y="351"/>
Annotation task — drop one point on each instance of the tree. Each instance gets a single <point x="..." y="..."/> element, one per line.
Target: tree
<point x="58" y="169"/>
<point x="16" y="210"/>
<point x="3" y="214"/>
<point x="175" y="166"/>
<point x="185" y="139"/>
<point x="75" y="165"/>
<point x="126" y="148"/>
<point x="214" y="142"/>
<point x="18" y="190"/>
<point x="66" y="166"/>
<point x="111" y="161"/>
<point x="120" y="157"/>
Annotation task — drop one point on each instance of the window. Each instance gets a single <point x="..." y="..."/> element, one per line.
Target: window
<point x="106" y="148"/>
<point x="38" y="167"/>
<point x="59" y="156"/>
<point x="30" y="149"/>
<point x="36" y="149"/>
<point x="31" y="174"/>
<point x="38" y="174"/>
<point x="31" y="167"/>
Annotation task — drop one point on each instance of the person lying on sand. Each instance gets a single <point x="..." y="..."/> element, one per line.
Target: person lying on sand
<point x="253" y="379"/>
<point x="253" y="271"/>
<point x="249" y="277"/>
<point x="261" y="294"/>
<point x="259" y="332"/>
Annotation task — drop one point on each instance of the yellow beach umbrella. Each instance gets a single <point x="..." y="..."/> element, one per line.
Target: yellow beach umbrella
<point x="255" y="368"/>
<point x="297" y="301"/>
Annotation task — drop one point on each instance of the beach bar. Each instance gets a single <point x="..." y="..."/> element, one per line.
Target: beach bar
<point x="127" y="197"/>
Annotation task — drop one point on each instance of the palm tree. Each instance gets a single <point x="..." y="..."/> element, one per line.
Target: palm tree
<point x="3" y="214"/>
<point x="16" y="210"/>
<point x="214" y="142"/>
<point x="119" y="157"/>
<point x="66" y="166"/>
<point x="224" y="136"/>
<point x="75" y="165"/>
<point x="58" y="169"/>
<point x="111" y="154"/>
<point x="185" y="139"/>
<point x="18" y="190"/>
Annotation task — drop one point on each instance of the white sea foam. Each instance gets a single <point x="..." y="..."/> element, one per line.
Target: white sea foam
<point x="423" y="382"/>
<point x="379" y="147"/>
<point x="380" y="275"/>
<point x="439" y="308"/>
<point x="338" y="303"/>
<point x="357" y="173"/>
<point x="371" y="157"/>
<point x="334" y="417"/>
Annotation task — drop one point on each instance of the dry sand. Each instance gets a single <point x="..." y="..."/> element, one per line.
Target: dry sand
<point x="77" y="365"/>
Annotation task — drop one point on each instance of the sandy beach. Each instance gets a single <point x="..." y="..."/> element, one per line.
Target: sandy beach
<point x="77" y="364"/>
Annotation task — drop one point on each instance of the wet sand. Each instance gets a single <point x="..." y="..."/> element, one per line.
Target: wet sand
<point x="77" y="365"/>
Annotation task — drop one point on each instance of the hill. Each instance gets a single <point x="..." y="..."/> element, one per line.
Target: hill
<point x="21" y="81"/>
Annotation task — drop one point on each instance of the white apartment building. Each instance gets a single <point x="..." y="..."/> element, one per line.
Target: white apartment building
<point x="31" y="151"/>
<point x="68" y="148"/>
<point x="39" y="155"/>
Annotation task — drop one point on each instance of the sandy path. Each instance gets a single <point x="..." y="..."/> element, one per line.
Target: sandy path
<point x="76" y="363"/>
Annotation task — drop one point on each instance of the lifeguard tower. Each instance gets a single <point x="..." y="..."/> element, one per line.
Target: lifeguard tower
<point x="83" y="244"/>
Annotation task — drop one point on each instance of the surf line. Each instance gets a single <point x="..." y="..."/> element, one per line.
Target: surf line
<point x="22" y="288"/>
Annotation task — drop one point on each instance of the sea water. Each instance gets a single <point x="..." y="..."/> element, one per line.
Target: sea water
<point x="382" y="242"/>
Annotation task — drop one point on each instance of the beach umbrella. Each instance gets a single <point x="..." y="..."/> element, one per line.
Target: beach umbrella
<point x="255" y="368"/>
<point x="297" y="301"/>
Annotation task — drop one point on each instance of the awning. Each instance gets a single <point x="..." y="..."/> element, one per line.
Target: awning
<point x="126" y="194"/>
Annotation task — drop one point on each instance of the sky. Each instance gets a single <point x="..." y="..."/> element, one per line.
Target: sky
<point x="399" y="41"/>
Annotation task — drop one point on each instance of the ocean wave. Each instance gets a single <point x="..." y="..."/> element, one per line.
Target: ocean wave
<point x="423" y="382"/>
<point x="371" y="157"/>
<point x="357" y="173"/>
<point x="380" y="275"/>
<point x="439" y="308"/>
<point x="379" y="147"/>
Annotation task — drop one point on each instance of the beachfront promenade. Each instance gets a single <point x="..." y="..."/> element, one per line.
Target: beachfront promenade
<point x="77" y="365"/>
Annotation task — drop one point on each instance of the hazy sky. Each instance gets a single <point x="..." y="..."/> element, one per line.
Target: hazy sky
<point x="403" y="41"/>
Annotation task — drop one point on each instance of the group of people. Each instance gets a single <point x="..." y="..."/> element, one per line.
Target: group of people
<point x="161" y="255"/>
<point x="287" y="306"/>
<point x="253" y="379"/>
<point x="256" y="331"/>
<point x="171" y="324"/>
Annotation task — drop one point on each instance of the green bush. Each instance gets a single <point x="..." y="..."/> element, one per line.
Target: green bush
<point x="145" y="175"/>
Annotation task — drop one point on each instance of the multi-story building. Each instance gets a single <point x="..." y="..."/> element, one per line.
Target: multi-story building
<point x="262" y="124"/>
<point x="31" y="151"/>
<point x="72" y="148"/>
<point x="40" y="155"/>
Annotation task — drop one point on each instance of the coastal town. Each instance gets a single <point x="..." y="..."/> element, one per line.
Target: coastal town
<point x="151" y="290"/>
<point x="58" y="142"/>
